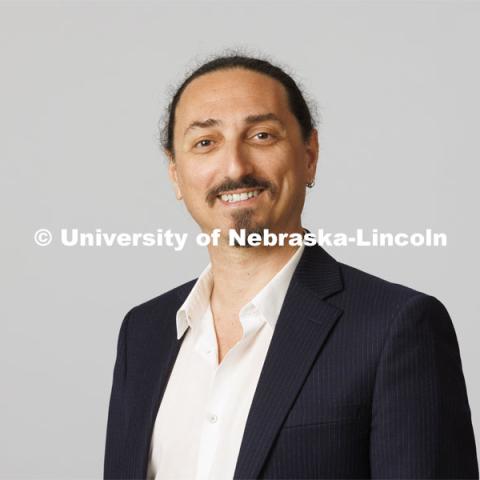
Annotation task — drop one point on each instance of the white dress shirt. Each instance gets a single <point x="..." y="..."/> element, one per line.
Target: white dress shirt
<point x="201" y="419"/>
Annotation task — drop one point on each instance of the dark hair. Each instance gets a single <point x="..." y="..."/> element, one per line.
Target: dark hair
<point x="296" y="100"/>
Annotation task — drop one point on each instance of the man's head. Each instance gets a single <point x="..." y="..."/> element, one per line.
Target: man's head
<point x="240" y="127"/>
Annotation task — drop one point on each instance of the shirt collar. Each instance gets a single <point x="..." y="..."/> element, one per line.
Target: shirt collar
<point x="269" y="300"/>
<point x="196" y="302"/>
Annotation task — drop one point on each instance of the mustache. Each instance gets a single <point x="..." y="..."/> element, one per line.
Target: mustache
<point x="249" y="181"/>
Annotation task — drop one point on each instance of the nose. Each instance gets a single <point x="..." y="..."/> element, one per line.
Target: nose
<point x="238" y="162"/>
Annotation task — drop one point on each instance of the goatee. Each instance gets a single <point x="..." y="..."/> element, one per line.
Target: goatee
<point x="243" y="220"/>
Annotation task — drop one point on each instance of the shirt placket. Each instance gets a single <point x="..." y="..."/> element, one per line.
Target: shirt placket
<point x="206" y="347"/>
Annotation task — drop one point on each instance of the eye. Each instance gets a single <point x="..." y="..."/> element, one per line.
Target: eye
<point x="263" y="135"/>
<point x="265" y="138"/>
<point x="205" y="142"/>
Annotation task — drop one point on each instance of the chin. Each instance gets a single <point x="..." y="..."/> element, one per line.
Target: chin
<point x="244" y="219"/>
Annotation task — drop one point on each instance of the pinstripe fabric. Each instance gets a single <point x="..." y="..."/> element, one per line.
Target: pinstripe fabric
<point x="362" y="379"/>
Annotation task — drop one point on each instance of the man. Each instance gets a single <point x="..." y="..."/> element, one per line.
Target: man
<point x="277" y="362"/>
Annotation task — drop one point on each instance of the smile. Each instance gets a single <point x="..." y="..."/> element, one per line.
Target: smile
<point x="240" y="197"/>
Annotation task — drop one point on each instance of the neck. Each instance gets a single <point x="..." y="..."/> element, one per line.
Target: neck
<point x="239" y="273"/>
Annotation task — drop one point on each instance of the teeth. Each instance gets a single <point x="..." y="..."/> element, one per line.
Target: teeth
<point x="238" y="197"/>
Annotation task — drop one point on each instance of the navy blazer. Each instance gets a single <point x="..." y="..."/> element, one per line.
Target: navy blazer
<point x="362" y="379"/>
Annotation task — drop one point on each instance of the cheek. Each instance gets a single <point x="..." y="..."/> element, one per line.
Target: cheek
<point x="290" y="160"/>
<point x="291" y="189"/>
<point x="194" y="181"/>
<point x="291" y="176"/>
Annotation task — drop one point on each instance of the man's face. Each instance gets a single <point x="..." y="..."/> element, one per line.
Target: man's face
<point x="240" y="160"/>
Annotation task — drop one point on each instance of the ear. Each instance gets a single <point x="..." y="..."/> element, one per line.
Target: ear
<point x="172" y="173"/>
<point x="311" y="155"/>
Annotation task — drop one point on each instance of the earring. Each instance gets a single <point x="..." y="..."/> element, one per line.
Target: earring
<point x="311" y="184"/>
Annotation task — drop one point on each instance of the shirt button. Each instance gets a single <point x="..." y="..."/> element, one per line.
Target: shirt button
<point x="212" y="418"/>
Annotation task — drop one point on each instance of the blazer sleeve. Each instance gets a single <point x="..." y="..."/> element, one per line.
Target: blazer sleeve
<point x="421" y="423"/>
<point x="117" y="420"/>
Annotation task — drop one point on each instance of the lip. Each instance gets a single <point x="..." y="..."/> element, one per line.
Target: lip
<point x="240" y="203"/>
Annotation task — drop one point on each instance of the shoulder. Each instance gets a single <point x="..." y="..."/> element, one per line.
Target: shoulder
<point x="377" y="299"/>
<point x="363" y="283"/>
<point x="377" y="312"/>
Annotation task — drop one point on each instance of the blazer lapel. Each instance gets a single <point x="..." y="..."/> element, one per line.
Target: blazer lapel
<point x="302" y="327"/>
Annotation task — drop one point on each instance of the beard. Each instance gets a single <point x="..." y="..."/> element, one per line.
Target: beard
<point x="243" y="219"/>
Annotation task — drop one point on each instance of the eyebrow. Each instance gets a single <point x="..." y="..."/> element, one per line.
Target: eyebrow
<point x="249" y="120"/>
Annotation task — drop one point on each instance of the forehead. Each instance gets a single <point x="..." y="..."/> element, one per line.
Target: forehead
<point x="229" y="93"/>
